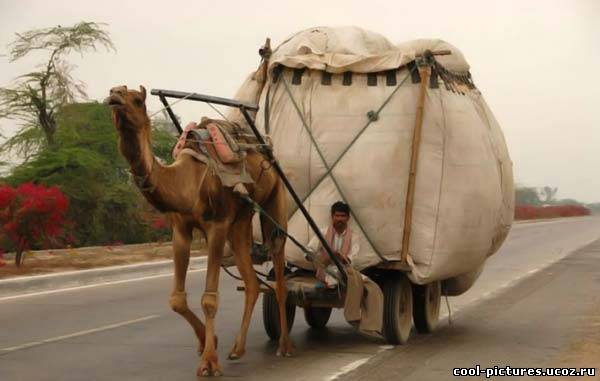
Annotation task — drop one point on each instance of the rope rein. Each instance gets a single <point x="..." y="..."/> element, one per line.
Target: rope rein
<point x="172" y="104"/>
<point x="182" y="99"/>
<point x="241" y="279"/>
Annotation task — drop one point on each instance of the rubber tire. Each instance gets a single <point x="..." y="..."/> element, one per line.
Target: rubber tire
<point x="317" y="317"/>
<point x="397" y="310"/>
<point x="426" y="306"/>
<point x="271" y="315"/>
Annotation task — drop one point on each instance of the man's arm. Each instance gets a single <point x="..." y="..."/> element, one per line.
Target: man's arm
<point x="314" y="244"/>
<point x="355" y="248"/>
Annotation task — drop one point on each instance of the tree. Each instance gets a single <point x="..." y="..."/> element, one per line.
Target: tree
<point x="527" y="196"/>
<point x="35" y="98"/>
<point x="548" y="193"/>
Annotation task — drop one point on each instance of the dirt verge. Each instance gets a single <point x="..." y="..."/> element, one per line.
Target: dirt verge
<point x="51" y="261"/>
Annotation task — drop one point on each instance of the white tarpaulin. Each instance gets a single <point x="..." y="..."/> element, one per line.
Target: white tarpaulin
<point x="464" y="197"/>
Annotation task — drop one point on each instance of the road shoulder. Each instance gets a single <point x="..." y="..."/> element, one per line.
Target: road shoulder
<point x="547" y="320"/>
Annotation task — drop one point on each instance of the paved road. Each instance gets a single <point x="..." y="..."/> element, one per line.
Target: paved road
<point x="126" y="330"/>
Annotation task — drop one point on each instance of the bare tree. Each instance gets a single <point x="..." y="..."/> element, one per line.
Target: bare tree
<point x="549" y="194"/>
<point x="34" y="98"/>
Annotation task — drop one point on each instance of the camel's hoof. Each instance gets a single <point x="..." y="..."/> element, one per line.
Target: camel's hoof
<point x="209" y="368"/>
<point x="233" y="356"/>
<point x="236" y="354"/>
<point x="285" y="352"/>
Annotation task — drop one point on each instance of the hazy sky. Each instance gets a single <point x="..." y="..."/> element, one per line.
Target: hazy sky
<point x="534" y="61"/>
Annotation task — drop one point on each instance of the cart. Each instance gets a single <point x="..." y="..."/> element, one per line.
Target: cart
<point x="404" y="302"/>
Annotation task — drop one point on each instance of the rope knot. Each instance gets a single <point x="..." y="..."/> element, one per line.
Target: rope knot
<point x="373" y="116"/>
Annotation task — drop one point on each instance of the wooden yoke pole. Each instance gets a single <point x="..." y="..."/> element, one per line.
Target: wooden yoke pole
<point x="424" y="72"/>
<point x="265" y="53"/>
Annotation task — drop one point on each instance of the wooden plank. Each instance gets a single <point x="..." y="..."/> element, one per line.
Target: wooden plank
<point x="424" y="72"/>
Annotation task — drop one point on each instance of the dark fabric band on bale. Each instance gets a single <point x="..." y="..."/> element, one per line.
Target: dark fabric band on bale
<point x="390" y="78"/>
<point x="277" y="70"/>
<point x="347" y="78"/>
<point x="326" y="78"/>
<point x="371" y="79"/>
<point x="297" y="77"/>
<point x="414" y="76"/>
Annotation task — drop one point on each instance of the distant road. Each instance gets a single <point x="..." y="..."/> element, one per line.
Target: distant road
<point x="126" y="331"/>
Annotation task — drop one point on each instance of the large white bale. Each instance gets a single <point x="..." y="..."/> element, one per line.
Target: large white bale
<point x="464" y="197"/>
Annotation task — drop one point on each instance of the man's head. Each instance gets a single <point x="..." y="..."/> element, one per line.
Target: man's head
<point x="340" y="215"/>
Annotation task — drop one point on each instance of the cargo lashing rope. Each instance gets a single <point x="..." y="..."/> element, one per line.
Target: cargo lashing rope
<point x="257" y="277"/>
<point x="372" y="117"/>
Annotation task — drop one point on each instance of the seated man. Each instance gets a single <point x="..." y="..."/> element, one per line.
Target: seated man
<point x="339" y="236"/>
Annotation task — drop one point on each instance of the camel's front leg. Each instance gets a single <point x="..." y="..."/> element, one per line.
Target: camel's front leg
<point x="209" y="363"/>
<point x="241" y="240"/>
<point x="182" y="238"/>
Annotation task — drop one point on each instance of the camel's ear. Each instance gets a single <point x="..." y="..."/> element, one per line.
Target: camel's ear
<point x="143" y="90"/>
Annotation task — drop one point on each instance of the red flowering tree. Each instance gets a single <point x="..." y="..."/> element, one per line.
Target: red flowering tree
<point x="32" y="216"/>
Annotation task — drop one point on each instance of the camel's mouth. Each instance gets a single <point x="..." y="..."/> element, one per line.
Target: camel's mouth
<point x="115" y="100"/>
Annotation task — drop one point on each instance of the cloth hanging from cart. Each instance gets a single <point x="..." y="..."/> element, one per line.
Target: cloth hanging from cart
<point x="364" y="302"/>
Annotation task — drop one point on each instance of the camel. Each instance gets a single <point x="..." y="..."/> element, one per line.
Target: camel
<point x="195" y="199"/>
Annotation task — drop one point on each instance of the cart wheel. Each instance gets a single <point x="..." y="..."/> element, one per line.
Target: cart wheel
<point x="426" y="310"/>
<point x="397" y="310"/>
<point x="317" y="317"/>
<point x="271" y="315"/>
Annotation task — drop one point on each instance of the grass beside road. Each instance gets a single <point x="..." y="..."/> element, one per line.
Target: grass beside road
<point x="52" y="261"/>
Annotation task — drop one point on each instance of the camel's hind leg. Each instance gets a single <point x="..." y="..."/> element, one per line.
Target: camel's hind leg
<point x="275" y="239"/>
<point x="182" y="238"/>
<point x="241" y="241"/>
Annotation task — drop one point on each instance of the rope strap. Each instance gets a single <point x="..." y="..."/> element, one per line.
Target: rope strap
<point x="240" y="278"/>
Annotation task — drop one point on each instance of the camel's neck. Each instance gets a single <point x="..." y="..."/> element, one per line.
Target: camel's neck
<point x="150" y="176"/>
<point x="137" y="150"/>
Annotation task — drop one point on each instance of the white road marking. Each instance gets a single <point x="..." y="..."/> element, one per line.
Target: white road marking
<point x="76" y="334"/>
<point x="355" y="364"/>
<point x="348" y="368"/>
<point x="93" y="285"/>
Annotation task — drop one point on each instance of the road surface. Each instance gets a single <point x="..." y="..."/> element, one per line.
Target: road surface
<point x="126" y="330"/>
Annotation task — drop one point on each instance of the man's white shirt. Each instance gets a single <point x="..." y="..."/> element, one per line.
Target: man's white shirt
<point x="338" y="240"/>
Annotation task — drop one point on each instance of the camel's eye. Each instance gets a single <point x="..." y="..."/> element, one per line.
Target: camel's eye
<point x="138" y="102"/>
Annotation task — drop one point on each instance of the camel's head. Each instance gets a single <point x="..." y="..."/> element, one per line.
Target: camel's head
<point x="128" y="108"/>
